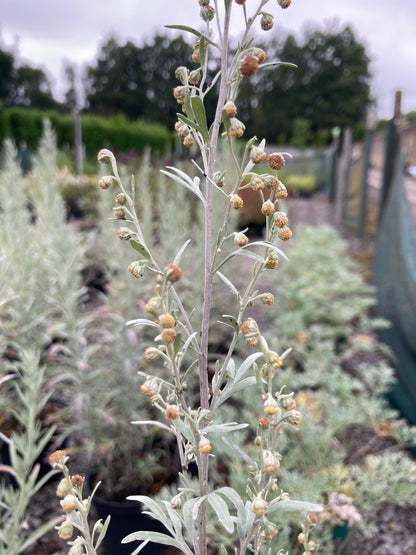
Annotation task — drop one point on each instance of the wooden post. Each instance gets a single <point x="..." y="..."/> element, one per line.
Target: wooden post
<point x="342" y="174"/>
<point x="366" y="163"/>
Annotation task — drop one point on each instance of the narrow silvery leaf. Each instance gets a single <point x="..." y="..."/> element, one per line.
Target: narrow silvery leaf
<point x="228" y="283"/>
<point x="151" y="423"/>
<point x="240" y="452"/>
<point x="193" y="31"/>
<point x="233" y="321"/>
<point x="226" y="427"/>
<point x="140" y="248"/>
<point x="251" y="164"/>
<point x="103" y="531"/>
<point x="267" y="245"/>
<point x="180" y="252"/>
<point x="142" y="322"/>
<point x="232" y="388"/>
<point x="221" y="509"/>
<point x="185" y="182"/>
<point x="247" y="364"/>
<point x="157" y="537"/>
<point x="291" y="505"/>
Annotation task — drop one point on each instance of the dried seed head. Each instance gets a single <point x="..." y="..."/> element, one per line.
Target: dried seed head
<point x="249" y="328"/>
<point x="280" y="219"/>
<point x="249" y="66"/>
<point x="168" y="336"/>
<point x="58" y="458"/>
<point x="266" y="21"/>
<point x="259" y="53"/>
<point x="106" y="181"/>
<point x="180" y="94"/>
<point x="237" y="202"/>
<point x="172" y="412"/>
<point x="195" y="56"/>
<point x="276" y="161"/>
<point x="204" y="445"/>
<point x="150" y="388"/>
<point x="259" y="506"/>
<point x="105" y="156"/>
<point x="270" y="531"/>
<point x="237" y="128"/>
<point x="264" y="422"/>
<point x="285" y="233"/>
<point x="230" y="108"/>
<point x="77" y="480"/>
<point x="257" y="155"/>
<point x="207" y="13"/>
<point x="267" y="208"/>
<point x="294" y="418"/>
<point x="240" y="239"/>
<point x="167" y="321"/>
<point x="281" y="191"/>
<point x="173" y="272"/>
<point x="135" y="268"/>
<point x="284" y="3"/>
<point x="119" y="213"/>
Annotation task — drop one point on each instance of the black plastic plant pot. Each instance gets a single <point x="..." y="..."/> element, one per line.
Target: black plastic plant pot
<point x="126" y="517"/>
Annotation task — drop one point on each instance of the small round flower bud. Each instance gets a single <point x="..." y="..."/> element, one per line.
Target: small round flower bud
<point x="180" y="94"/>
<point x="77" y="480"/>
<point x="181" y="74"/>
<point x="249" y="328"/>
<point x="267" y="299"/>
<point x="195" y="76"/>
<point x="105" y="156"/>
<point x="58" y="458"/>
<point x="169" y="336"/>
<point x="188" y="140"/>
<point x="106" y="181"/>
<point x="270" y="461"/>
<point x="251" y="341"/>
<point x="267" y="208"/>
<point x="295" y="418"/>
<point x="270" y="181"/>
<point x="195" y="56"/>
<point x="153" y="305"/>
<point x="270" y="532"/>
<point x="237" y="128"/>
<point x="176" y="502"/>
<point x="257" y="155"/>
<point x="183" y="131"/>
<point x="77" y="549"/>
<point x="272" y="260"/>
<point x="273" y="359"/>
<point x="280" y="219"/>
<point x="270" y="406"/>
<point x="276" y="161"/>
<point x="207" y="13"/>
<point x="204" y="446"/>
<point x="285" y="233"/>
<point x="121" y="199"/>
<point x="124" y="233"/>
<point x="135" y="268"/>
<point x="65" y="530"/>
<point x="230" y="108"/>
<point x="64" y="488"/>
<point x="219" y="178"/>
<point x="69" y="504"/>
<point x="302" y="537"/>
<point x="284" y="3"/>
<point x="288" y="402"/>
<point x="266" y="21"/>
<point x="281" y="191"/>
<point x="260" y="54"/>
<point x="240" y="239"/>
<point x="256" y="183"/>
<point x="249" y="66"/>
<point x="264" y="422"/>
<point x="240" y="2"/>
<point x="119" y="213"/>
<point x="259" y="506"/>
<point x="150" y="388"/>
<point x="167" y="321"/>
<point x="258" y="441"/>
<point x="172" y="412"/>
<point x="173" y="272"/>
<point x="151" y="353"/>
<point x="237" y="202"/>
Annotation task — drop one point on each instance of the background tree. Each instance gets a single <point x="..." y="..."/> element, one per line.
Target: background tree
<point x="330" y="87"/>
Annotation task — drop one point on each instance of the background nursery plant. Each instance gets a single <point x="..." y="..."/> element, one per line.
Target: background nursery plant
<point x="180" y="349"/>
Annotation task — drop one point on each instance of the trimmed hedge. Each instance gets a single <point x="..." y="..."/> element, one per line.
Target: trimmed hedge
<point x="117" y="133"/>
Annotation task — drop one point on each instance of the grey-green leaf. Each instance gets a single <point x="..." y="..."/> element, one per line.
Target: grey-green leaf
<point x="221" y="509"/>
<point x="291" y="505"/>
<point x="140" y="248"/>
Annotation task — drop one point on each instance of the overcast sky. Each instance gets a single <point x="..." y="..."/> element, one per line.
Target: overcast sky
<point x="46" y="32"/>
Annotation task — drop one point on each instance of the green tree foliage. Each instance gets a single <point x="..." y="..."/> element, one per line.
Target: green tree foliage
<point x="136" y="81"/>
<point x="329" y="88"/>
